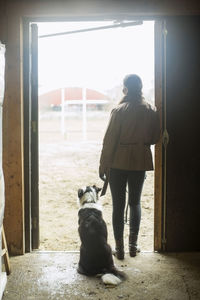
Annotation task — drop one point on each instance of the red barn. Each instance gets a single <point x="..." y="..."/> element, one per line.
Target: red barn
<point x="74" y="96"/>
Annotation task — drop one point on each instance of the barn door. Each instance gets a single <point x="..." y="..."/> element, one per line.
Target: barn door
<point x="34" y="138"/>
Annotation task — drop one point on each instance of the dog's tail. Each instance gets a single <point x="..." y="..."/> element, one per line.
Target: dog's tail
<point x="113" y="277"/>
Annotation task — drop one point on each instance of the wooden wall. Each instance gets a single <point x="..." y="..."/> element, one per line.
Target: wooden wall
<point x="183" y="117"/>
<point x="13" y="134"/>
<point x="11" y="14"/>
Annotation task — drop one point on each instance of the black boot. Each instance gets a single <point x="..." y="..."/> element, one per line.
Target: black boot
<point x="133" y="247"/>
<point x="119" y="249"/>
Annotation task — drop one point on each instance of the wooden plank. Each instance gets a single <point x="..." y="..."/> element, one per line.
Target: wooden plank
<point x="12" y="140"/>
<point x="5" y="253"/>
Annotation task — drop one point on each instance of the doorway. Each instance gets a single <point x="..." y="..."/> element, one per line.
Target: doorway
<point x="70" y="141"/>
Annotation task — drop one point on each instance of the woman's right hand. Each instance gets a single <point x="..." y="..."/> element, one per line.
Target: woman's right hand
<point x="102" y="174"/>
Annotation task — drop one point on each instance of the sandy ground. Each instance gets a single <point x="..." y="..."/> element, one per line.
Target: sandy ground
<point x="67" y="163"/>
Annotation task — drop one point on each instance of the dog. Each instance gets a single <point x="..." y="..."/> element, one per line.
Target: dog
<point x="95" y="253"/>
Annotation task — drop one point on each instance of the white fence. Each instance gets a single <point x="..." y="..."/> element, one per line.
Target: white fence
<point x="83" y="102"/>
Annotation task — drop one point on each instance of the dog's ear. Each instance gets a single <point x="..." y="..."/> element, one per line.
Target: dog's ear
<point x="80" y="193"/>
<point x="97" y="189"/>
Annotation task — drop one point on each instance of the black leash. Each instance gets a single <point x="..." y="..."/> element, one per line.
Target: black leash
<point x="105" y="185"/>
<point x="126" y="220"/>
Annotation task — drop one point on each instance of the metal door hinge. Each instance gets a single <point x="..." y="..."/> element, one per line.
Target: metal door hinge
<point x="164" y="242"/>
<point x="34" y="126"/>
<point x="34" y="222"/>
<point x="165" y="138"/>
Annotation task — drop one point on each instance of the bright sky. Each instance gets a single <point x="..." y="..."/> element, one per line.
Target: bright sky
<point x="98" y="59"/>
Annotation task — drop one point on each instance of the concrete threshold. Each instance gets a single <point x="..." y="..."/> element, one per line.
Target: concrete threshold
<point x="52" y="275"/>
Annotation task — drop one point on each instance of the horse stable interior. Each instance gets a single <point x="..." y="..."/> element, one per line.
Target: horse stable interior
<point x="172" y="271"/>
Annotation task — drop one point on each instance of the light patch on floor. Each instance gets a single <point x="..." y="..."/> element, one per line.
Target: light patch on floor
<point x="151" y="276"/>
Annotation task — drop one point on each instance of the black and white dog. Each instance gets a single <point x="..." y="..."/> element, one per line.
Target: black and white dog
<point x="95" y="253"/>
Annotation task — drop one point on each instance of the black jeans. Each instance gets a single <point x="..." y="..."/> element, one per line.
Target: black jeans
<point x="118" y="181"/>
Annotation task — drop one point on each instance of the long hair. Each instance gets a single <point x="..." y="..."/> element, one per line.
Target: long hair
<point x="133" y="85"/>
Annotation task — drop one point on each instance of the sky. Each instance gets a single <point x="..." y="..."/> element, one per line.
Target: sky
<point x="97" y="59"/>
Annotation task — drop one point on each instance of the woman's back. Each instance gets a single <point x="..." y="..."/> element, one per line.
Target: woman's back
<point x="138" y="123"/>
<point x="133" y="127"/>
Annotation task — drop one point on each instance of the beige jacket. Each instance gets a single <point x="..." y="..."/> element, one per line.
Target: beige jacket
<point x="131" y="130"/>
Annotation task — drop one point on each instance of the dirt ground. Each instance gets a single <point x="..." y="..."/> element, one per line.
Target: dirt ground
<point x="67" y="163"/>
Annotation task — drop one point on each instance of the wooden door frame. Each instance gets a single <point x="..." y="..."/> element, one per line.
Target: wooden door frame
<point x="30" y="121"/>
<point x="34" y="139"/>
<point x="26" y="123"/>
<point x="158" y="178"/>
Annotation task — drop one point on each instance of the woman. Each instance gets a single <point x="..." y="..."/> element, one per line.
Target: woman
<point x="126" y="155"/>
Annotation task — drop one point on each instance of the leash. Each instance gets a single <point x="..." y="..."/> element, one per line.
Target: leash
<point x="104" y="189"/>
<point x="126" y="221"/>
<point x="105" y="185"/>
